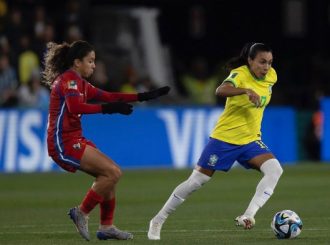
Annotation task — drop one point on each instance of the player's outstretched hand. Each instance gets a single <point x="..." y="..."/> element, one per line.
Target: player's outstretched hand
<point x="117" y="107"/>
<point x="153" y="94"/>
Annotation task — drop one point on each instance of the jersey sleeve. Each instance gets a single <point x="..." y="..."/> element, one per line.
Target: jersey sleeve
<point x="273" y="75"/>
<point x="75" y="104"/>
<point x="104" y="96"/>
<point x="235" y="78"/>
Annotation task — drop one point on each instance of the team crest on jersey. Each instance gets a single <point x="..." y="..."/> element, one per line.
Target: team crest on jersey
<point x="72" y="84"/>
<point x="76" y="146"/>
<point x="213" y="160"/>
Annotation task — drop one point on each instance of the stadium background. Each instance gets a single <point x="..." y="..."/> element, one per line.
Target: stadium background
<point x="146" y="44"/>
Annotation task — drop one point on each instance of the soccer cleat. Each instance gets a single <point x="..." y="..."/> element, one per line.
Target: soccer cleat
<point x="113" y="233"/>
<point x="154" y="230"/>
<point x="80" y="221"/>
<point x="245" y="221"/>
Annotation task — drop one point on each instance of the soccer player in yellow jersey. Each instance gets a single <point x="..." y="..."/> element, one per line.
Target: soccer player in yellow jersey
<point x="236" y="136"/>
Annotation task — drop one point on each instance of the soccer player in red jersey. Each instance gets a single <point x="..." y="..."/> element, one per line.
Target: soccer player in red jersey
<point x="66" y="68"/>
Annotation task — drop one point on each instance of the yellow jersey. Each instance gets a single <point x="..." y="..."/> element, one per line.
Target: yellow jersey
<point x="240" y="122"/>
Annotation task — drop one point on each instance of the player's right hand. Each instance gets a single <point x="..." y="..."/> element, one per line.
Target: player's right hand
<point x="117" y="107"/>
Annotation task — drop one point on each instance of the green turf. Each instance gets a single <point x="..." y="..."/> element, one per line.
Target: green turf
<point x="33" y="207"/>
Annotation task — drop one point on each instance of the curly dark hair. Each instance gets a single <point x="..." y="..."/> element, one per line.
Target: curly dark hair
<point x="60" y="57"/>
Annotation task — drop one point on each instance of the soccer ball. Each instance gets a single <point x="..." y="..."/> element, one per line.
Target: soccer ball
<point x="286" y="224"/>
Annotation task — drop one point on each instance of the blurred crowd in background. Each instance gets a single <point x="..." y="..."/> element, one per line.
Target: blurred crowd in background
<point x="200" y="36"/>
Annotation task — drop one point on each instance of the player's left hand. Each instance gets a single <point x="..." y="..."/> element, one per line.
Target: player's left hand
<point x="153" y="94"/>
<point x="253" y="97"/>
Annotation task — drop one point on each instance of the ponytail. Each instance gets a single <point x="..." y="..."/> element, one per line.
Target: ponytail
<point x="60" y="57"/>
<point x="250" y="50"/>
<point x="55" y="61"/>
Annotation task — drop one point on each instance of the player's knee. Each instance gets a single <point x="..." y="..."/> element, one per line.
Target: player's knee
<point x="113" y="174"/>
<point x="272" y="168"/>
<point x="117" y="174"/>
<point x="198" y="179"/>
<point x="193" y="183"/>
<point x="279" y="171"/>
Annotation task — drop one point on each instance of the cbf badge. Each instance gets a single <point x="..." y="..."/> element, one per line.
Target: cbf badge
<point x="213" y="160"/>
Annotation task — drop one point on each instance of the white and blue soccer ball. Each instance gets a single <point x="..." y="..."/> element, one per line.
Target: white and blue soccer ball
<point x="286" y="224"/>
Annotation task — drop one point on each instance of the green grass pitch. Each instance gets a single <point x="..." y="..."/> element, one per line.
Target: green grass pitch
<point x="33" y="207"/>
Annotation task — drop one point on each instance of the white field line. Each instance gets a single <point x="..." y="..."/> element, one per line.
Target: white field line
<point x="91" y="224"/>
<point x="145" y="231"/>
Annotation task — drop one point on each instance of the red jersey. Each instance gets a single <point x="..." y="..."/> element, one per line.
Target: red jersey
<point x="68" y="101"/>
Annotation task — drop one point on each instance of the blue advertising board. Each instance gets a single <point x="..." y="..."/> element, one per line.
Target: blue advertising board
<point x="152" y="137"/>
<point x="325" y="145"/>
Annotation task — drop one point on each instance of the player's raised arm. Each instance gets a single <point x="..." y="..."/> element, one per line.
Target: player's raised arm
<point x="77" y="106"/>
<point x="104" y="96"/>
<point x="227" y="89"/>
<point x="153" y="94"/>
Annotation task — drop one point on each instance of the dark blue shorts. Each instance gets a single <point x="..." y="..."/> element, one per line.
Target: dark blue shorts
<point x="219" y="155"/>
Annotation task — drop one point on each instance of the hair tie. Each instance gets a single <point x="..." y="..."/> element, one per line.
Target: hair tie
<point x="252" y="46"/>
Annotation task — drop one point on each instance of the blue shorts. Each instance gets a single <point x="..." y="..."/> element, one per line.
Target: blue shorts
<point x="219" y="155"/>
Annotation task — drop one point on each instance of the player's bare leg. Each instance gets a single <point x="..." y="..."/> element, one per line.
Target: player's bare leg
<point x="106" y="172"/>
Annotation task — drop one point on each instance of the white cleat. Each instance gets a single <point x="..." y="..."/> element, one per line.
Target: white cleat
<point x="245" y="221"/>
<point x="154" y="230"/>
